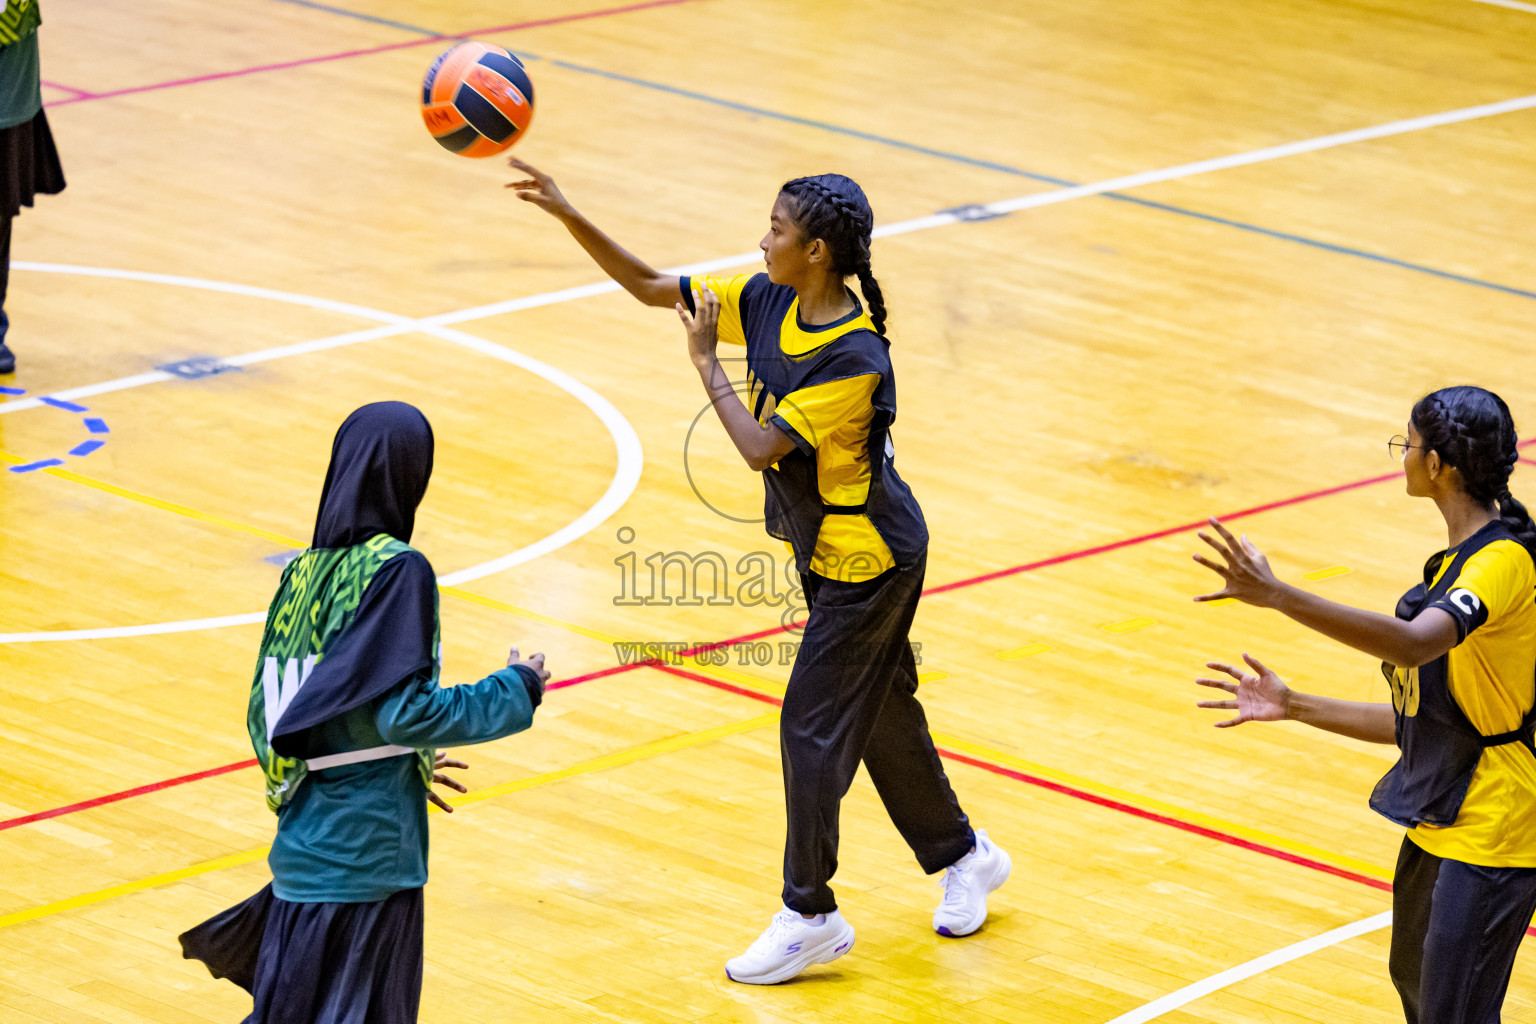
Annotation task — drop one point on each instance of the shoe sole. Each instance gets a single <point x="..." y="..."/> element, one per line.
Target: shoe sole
<point x="825" y="953"/>
<point x="993" y="886"/>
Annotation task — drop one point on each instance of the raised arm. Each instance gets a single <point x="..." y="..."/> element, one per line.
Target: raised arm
<point x="637" y="277"/>
<point x="1248" y="578"/>
<point x="761" y="446"/>
<point x="1263" y="697"/>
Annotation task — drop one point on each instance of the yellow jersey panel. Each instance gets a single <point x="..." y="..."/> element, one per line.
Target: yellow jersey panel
<point x="797" y="339"/>
<point x="834" y="418"/>
<point x="1492" y="676"/>
<point x="837" y="498"/>
<point x="728" y="291"/>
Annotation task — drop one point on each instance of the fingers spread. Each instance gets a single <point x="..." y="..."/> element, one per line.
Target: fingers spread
<point x="1220" y="684"/>
<point x="447" y="808"/>
<point x="1226" y="553"/>
<point x="1226" y="534"/>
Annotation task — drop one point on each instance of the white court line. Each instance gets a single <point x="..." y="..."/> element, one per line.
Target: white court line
<point x="436" y="325"/>
<point x="1514" y="5"/>
<point x="403" y="325"/>
<point x="626" y="474"/>
<point x="1223" y="163"/>
<point x="1189" y="993"/>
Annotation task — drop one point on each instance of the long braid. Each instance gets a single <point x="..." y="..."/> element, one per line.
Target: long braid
<point x="1472" y="430"/>
<point x="833" y="208"/>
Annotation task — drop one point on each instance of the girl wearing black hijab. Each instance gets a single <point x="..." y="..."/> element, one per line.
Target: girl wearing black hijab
<point x="345" y="715"/>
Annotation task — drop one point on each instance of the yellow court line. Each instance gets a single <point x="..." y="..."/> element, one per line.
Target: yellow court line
<point x="665" y="746"/>
<point x="532" y="616"/>
<point x="86" y="899"/>
<point x="1167" y="810"/>
<point x="458" y="592"/>
<point x="160" y="503"/>
<point x="742" y="679"/>
<point x="292" y="542"/>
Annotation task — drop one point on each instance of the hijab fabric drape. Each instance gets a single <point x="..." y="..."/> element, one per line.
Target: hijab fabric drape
<point x="380" y="463"/>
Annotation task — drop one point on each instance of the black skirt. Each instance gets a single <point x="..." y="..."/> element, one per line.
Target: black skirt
<point x="318" y="963"/>
<point x="29" y="164"/>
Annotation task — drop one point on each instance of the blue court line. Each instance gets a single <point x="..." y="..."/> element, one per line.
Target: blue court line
<point x="362" y="17"/>
<point x="59" y="403"/>
<point x="86" y="447"/>
<point x="43" y="464"/>
<point x="13" y="391"/>
<point x="97" y="426"/>
<point x="960" y="158"/>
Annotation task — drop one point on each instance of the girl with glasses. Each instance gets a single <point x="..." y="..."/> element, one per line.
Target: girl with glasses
<point x="1460" y="658"/>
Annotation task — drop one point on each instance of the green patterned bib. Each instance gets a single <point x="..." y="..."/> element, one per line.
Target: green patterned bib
<point x="316" y="601"/>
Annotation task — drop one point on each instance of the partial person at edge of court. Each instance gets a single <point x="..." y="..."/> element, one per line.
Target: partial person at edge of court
<point x="29" y="160"/>
<point x="1460" y="659"/>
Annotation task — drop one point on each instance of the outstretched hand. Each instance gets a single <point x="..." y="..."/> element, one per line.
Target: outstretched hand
<point x="539" y="189"/>
<point x="1259" y="698"/>
<point x="703" y="329"/>
<point x="1245" y="570"/>
<point x="535" y="662"/>
<point x="443" y="761"/>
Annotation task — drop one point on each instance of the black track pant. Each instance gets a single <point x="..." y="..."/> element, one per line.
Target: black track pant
<point x="1455" y="931"/>
<point x="852" y="696"/>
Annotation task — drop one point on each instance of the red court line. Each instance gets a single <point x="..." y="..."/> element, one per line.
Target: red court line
<point x="78" y="93"/>
<point x="112" y="798"/>
<point x="1159" y="534"/>
<point x="563" y="19"/>
<point x="1080" y="794"/>
<point x="772" y="631"/>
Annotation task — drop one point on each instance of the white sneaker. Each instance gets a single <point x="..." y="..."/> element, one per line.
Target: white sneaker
<point x="789" y="946"/>
<point x="966" y="884"/>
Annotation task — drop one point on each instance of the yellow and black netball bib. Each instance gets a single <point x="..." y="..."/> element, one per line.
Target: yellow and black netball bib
<point x="836" y="499"/>
<point x="1441" y="748"/>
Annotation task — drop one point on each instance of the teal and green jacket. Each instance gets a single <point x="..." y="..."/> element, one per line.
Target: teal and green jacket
<point x="21" y="92"/>
<point x="346" y="713"/>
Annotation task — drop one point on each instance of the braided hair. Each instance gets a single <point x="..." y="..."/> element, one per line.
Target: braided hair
<point x="1472" y="430"/>
<point x="832" y="207"/>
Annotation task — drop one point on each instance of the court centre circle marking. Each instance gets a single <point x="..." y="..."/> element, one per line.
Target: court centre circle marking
<point x="626" y="475"/>
<point x="1189" y="993"/>
<point x="394" y="324"/>
<point x="400" y="325"/>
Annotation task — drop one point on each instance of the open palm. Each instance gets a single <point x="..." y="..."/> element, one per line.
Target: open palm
<point x="1257" y="698"/>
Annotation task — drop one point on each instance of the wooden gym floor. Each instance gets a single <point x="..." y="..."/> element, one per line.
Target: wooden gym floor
<point x="1081" y="380"/>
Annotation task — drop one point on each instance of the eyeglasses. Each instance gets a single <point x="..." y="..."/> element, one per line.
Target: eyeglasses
<point x="1398" y="447"/>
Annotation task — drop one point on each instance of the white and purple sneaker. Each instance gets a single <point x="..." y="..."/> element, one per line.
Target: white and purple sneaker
<point x="789" y="946"/>
<point x="966" y="884"/>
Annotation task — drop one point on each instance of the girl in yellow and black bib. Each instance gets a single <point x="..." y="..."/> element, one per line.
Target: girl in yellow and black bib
<point x="1460" y="658"/>
<point x="820" y="399"/>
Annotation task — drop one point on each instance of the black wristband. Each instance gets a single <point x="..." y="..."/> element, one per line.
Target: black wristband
<point x="532" y="683"/>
